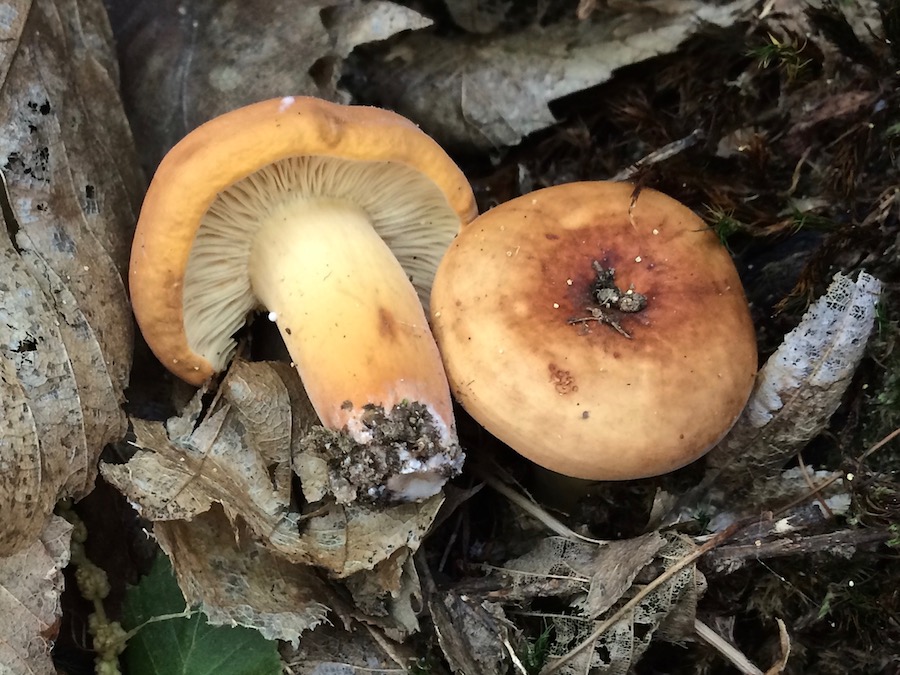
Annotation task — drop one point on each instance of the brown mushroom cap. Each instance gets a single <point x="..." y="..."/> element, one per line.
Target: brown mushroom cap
<point x="239" y="145"/>
<point x="511" y="311"/>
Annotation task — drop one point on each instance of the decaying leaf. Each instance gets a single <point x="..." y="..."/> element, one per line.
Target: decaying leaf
<point x="478" y="16"/>
<point x="69" y="190"/>
<point x="237" y="455"/>
<point x="493" y="92"/>
<point x="471" y="633"/>
<point x="185" y="63"/>
<point x="31" y="582"/>
<point x="798" y="389"/>
<point x="600" y="574"/>
<point x="331" y="650"/>
<point x="241" y="583"/>
<point x="390" y="596"/>
<point x="618" y="648"/>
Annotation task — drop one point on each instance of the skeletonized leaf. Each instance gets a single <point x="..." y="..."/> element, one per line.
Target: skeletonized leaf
<point x="618" y="648"/>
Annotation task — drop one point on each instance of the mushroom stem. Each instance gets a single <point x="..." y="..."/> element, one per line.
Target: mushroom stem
<point x="348" y="314"/>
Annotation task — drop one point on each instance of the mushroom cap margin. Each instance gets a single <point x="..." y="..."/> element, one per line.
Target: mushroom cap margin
<point x="232" y="146"/>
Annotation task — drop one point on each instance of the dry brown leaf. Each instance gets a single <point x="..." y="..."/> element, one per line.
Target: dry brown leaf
<point x="389" y="596"/>
<point x="31" y="582"/>
<point x="228" y="458"/>
<point x="492" y="92"/>
<point x="69" y="188"/>
<point x="329" y="650"/>
<point x="597" y="575"/>
<point x="242" y="583"/>
<point x="472" y="634"/>
<point x="185" y="63"/>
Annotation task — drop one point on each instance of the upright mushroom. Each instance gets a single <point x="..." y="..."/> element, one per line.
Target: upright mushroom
<point x="333" y="219"/>
<point x="600" y="331"/>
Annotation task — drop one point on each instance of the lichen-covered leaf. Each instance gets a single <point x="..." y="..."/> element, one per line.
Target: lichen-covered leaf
<point x="797" y="391"/>
<point x="69" y="188"/>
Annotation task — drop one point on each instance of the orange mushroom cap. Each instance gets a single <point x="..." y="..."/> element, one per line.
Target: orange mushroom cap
<point x="237" y="145"/>
<point x="538" y="355"/>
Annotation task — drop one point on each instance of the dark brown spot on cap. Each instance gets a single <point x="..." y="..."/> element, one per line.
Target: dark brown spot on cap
<point x="562" y="380"/>
<point x="387" y="324"/>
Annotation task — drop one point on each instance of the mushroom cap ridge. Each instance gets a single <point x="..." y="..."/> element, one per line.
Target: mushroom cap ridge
<point x="582" y="399"/>
<point x="232" y="146"/>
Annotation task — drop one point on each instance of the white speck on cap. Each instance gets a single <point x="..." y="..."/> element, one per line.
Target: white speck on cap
<point x="286" y="103"/>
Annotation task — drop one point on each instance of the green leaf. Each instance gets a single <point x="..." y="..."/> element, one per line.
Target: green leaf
<point x="187" y="646"/>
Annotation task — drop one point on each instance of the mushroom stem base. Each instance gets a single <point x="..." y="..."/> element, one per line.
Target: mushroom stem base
<point x="404" y="460"/>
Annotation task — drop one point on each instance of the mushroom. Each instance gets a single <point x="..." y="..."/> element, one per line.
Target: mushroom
<point x="333" y="219"/>
<point x="599" y="330"/>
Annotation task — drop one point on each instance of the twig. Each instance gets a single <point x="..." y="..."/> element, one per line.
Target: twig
<point x="785" y="547"/>
<point x="661" y="154"/>
<point x="382" y="642"/>
<point x="825" y="483"/>
<point x="531" y="508"/>
<point x="812" y="486"/>
<point x="517" y="662"/>
<point x="725" y="648"/>
<point x="785" y="640"/>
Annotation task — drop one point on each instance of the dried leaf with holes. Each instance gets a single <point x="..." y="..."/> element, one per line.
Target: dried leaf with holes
<point x="69" y="189"/>
<point x="225" y="457"/>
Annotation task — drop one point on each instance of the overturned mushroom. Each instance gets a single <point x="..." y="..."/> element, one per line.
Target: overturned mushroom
<point x="603" y="337"/>
<point x="333" y="219"/>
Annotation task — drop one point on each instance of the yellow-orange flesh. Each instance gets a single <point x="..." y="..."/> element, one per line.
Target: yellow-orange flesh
<point x="346" y="311"/>
<point x="582" y="399"/>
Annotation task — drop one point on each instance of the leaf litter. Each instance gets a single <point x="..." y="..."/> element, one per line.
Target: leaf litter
<point x="217" y="483"/>
<point x="69" y="188"/>
<point x="227" y="467"/>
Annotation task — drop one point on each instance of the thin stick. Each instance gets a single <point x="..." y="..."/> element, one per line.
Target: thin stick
<point x="661" y="154"/>
<point x="725" y="648"/>
<point x="533" y="509"/>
